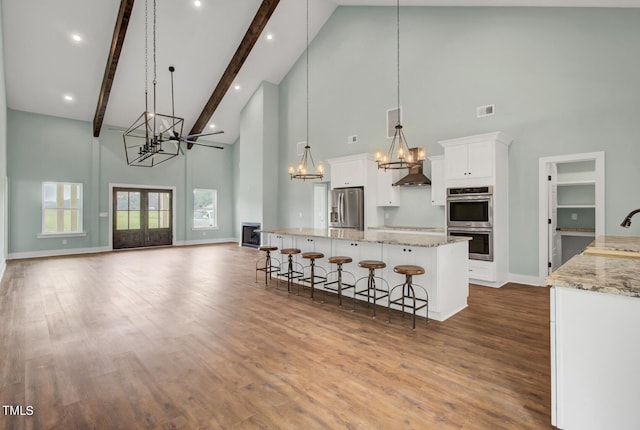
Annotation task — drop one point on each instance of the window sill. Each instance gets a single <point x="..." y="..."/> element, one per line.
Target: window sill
<point x="57" y="235"/>
<point x="204" y="228"/>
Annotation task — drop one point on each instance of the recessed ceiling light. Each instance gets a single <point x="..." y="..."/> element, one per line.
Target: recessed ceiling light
<point x="269" y="36"/>
<point x="76" y="37"/>
<point x="197" y="3"/>
<point x="68" y="97"/>
<point x="212" y="126"/>
<point x="236" y="87"/>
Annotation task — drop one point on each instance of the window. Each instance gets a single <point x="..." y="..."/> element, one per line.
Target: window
<point x="205" y="208"/>
<point x="61" y="208"/>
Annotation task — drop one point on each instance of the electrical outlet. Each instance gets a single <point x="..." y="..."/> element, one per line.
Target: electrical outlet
<point x="64" y="241"/>
<point x="204" y="233"/>
<point x="574" y="216"/>
<point x="386" y="216"/>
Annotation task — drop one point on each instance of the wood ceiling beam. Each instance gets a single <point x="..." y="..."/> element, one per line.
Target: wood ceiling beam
<point x="244" y="49"/>
<point x="119" y="32"/>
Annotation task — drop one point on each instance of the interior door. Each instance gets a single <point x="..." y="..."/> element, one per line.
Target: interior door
<point x="554" y="251"/>
<point x="142" y="218"/>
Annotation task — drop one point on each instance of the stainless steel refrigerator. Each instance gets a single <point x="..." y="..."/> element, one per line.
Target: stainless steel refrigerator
<point x="347" y="208"/>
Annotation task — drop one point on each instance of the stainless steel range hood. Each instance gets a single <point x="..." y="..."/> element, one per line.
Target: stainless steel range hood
<point x="415" y="178"/>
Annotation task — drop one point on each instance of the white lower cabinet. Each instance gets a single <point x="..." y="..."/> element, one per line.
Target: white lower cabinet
<point x="313" y="244"/>
<point x="358" y="251"/>
<point x="595" y="351"/>
<point x="482" y="270"/>
<point x="279" y="240"/>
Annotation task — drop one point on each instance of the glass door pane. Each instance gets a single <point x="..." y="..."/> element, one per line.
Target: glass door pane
<point x="127" y="210"/>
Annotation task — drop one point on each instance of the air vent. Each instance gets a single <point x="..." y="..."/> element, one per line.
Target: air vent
<point x="352" y="139"/>
<point x="300" y="148"/>
<point x="394" y="116"/>
<point x="487" y="110"/>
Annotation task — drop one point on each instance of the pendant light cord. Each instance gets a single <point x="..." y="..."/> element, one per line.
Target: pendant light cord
<point x="146" y="55"/>
<point x="307" y="59"/>
<point x="154" y="68"/>
<point x="398" y="53"/>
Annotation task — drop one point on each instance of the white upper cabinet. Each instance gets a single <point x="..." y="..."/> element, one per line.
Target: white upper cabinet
<point x="438" y="190"/>
<point x="347" y="172"/>
<point x="388" y="195"/>
<point x="471" y="161"/>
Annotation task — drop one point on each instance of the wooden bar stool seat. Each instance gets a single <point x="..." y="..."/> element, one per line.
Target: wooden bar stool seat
<point x="409" y="270"/>
<point x="417" y="301"/>
<point x="341" y="286"/>
<point x="340" y="260"/>
<point x="268" y="267"/>
<point x="294" y="269"/>
<point x="372" y="290"/>
<point x="311" y="279"/>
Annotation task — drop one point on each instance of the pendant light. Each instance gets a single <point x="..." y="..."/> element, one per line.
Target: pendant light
<point x="302" y="171"/>
<point x="399" y="155"/>
<point x="153" y="138"/>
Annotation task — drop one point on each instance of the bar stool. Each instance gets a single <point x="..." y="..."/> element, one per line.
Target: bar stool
<point x="409" y="292"/>
<point x="291" y="272"/>
<point x="311" y="279"/>
<point x="372" y="288"/>
<point x="339" y="260"/>
<point x="268" y="267"/>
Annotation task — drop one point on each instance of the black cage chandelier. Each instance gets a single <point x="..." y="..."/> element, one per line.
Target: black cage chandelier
<point x="302" y="171"/>
<point x="399" y="156"/>
<point x="153" y="138"/>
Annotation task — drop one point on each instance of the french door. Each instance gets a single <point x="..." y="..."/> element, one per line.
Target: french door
<point x="142" y="217"/>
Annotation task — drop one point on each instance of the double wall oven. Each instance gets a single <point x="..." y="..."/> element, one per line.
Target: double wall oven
<point x="470" y="214"/>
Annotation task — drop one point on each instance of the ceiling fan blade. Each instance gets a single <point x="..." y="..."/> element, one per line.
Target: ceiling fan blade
<point x="191" y="136"/>
<point x="202" y="144"/>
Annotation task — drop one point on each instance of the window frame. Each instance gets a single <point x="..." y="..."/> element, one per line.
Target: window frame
<point x="80" y="211"/>
<point x="215" y="225"/>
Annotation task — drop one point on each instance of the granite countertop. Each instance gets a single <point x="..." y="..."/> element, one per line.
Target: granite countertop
<point x="439" y="230"/>
<point x="617" y="243"/>
<point x="604" y="274"/>
<point x="423" y="240"/>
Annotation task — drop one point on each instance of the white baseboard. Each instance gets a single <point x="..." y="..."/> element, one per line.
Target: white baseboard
<point x="205" y="241"/>
<point x="3" y="267"/>
<point x="526" y="279"/>
<point x="56" y="252"/>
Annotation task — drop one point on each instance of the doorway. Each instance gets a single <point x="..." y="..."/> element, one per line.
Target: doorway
<point x="320" y="205"/>
<point x="571" y="204"/>
<point x="141" y="217"/>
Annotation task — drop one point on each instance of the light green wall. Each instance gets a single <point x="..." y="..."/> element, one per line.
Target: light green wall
<point x="3" y="155"/>
<point x="564" y="80"/>
<point x="44" y="148"/>
<point x="257" y="159"/>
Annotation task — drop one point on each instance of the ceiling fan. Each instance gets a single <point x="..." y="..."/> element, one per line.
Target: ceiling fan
<point x="191" y="138"/>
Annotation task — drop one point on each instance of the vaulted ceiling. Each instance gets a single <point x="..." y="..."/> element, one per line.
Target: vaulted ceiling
<point x="43" y="62"/>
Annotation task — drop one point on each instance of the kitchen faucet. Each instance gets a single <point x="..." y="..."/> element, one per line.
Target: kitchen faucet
<point x="627" y="221"/>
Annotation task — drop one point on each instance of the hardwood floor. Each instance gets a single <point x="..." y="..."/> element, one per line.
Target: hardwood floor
<point x="184" y="338"/>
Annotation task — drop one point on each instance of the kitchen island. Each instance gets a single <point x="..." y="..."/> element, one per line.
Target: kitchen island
<point x="444" y="258"/>
<point x="595" y="337"/>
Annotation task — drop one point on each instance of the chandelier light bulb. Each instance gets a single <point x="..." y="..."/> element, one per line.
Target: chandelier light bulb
<point x="421" y="154"/>
<point x="400" y="152"/>
<point x="291" y="169"/>
<point x="320" y="167"/>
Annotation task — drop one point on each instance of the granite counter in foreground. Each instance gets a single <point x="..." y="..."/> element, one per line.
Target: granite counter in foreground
<point x="374" y="236"/>
<point x="595" y="341"/>
<point x="603" y="274"/>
